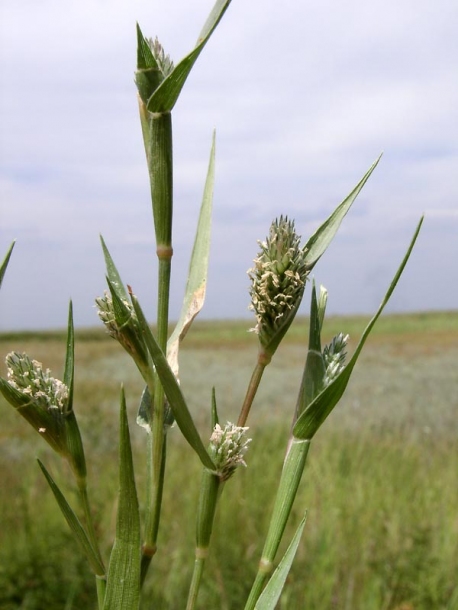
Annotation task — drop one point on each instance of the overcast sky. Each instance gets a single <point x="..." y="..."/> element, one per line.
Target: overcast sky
<point x="304" y="97"/>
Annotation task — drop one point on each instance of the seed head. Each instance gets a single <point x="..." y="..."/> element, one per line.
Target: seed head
<point x="228" y="446"/>
<point x="164" y="62"/>
<point x="28" y="377"/>
<point x="122" y="324"/>
<point x="277" y="282"/>
<point x="44" y="402"/>
<point x="334" y="357"/>
<point x="105" y="311"/>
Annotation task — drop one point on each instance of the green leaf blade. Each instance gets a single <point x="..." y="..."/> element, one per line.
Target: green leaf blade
<point x="198" y="269"/>
<point x="70" y="357"/>
<point x="172" y="390"/>
<point x="74" y="524"/>
<point x="5" y="262"/>
<point x="115" y="281"/>
<point x="271" y="594"/>
<point x="123" y="581"/>
<point x="315" y="413"/>
<point x="166" y="95"/>
<point x="320" y="240"/>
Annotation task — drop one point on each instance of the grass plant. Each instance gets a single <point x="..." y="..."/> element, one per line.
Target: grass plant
<point x="121" y="539"/>
<point x="381" y="528"/>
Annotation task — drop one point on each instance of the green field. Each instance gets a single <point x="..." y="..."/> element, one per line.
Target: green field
<point x="380" y="486"/>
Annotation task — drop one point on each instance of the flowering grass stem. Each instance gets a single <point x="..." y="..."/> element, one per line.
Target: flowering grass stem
<point x="210" y="491"/>
<point x="291" y="475"/>
<point x="227" y="448"/>
<point x="263" y="360"/>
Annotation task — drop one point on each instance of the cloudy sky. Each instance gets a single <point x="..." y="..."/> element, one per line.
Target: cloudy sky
<point x="304" y="97"/>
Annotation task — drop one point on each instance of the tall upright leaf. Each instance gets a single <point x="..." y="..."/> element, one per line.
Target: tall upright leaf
<point x="123" y="581"/>
<point x="198" y="269"/>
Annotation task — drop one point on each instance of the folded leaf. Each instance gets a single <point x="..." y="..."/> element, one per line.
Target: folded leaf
<point x="314" y="371"/>
<point x="113" y="274"/>
<point x="314" y="414"/>
<point x="148" y="76"/>
<point x="166" y="95"/>
<point x="198" y="269"/>
<point x="123" y="581"/>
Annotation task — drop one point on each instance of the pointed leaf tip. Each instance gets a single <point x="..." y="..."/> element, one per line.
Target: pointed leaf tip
<point x="320" y="240"/>
<point x="5" y="262"/>
<point x="198" y="269"/>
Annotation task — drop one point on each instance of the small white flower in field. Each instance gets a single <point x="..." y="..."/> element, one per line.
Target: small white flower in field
<point x="334" y="357"/>
<point x="277" y="282"/>
<point x="27" y="377"/>
<point x="228" y="447"/>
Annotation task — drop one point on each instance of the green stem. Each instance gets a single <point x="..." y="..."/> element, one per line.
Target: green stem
<point x="155" y="486"/>
<point x="157" y="132"/>
<point x="210" y="491"/>
<point x="157" y="438"/>
<point x="199" y="565"/>
<point x="101" y="585"/>
<point x="263" y="361"/>
<point x="100" y="579"/>
<point x="84" y="498"/>
<point x="291" y="475"/>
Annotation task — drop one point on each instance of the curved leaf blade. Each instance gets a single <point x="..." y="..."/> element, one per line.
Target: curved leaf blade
<point x="74" y="524"/>
<point x="166" y="95"/>
<point x="172" y="390"/>
<point x="320" y="240"/>
<point x="317" y="411"/>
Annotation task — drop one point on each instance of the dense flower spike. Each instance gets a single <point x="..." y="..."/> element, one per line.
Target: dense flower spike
<point x="28" y="377"/>
<point x="122" y="324"/>
<point x="41" y="399"/>
<point x="277" y="282"/>
<point x="334" y="357"/>
<point x="228" y="447"/>
<point x="165" y="64"/>
<point x="105" y="311"/>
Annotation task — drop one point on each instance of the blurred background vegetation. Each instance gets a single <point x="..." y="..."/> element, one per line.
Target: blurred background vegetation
<point x="380" y="484"/>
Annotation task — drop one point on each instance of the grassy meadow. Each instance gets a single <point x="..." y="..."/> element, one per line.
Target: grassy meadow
<point x="380" y="485"/>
